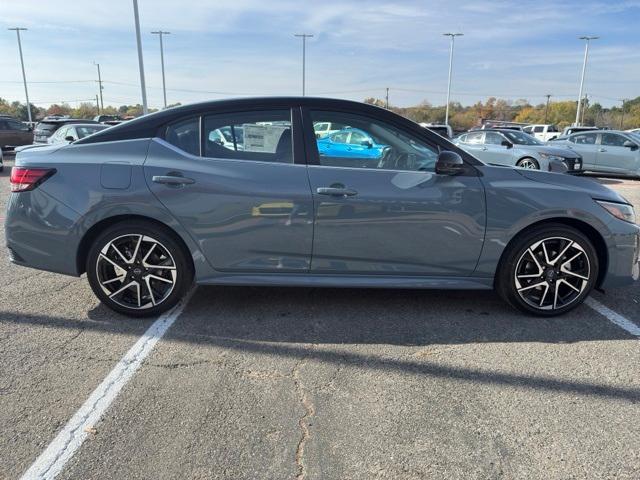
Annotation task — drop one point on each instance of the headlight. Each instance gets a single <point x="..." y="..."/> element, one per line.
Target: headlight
<point x="547" y="156"/>
<point x="619" y="210"/>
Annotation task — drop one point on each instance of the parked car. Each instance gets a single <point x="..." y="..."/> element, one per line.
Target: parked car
<point x="147" y="207"/>
<point x="570" y="130"/>
<point x="543" y="132"/>
<point x="322" y="129"/>
<point x="607" y="151"/>
<point x="514" y="148"/>
<point x="229" y="137"/>
<point x="1" y="161"/>
<point x="108" y="119"/>
<point x="443" y="130"/>
<point x="74" y="131"/>
<point x="634" y="130"/>
<point x="353" y="145"/>
<point x="48" y="126"/>
<point x="14" y="133"/>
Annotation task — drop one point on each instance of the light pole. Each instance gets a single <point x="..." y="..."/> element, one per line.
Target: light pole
<point x="584" y="68"/>
<point x="304" y="37"/>
<point x="100" y="87"/>
<point x="386" y="99"/>
<point x="164" y="87"/>
<point x="546" y="109"/>
<point x="453" y="39"/>
<point x="24" y="77"/>
<point x="623" y="100"/>
<point x="145" y="110"/>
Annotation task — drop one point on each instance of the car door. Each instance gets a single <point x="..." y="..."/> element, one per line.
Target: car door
<point x="249" y="208"/>
<point x="19" y="133"/>
<point x="613" y="156"/>
<point x="397" y="216"/>
<point x="5" y="134"/>
<point x="474" y="144"/>
<point x="584" y="144"/>
<point x="495" y="152"/>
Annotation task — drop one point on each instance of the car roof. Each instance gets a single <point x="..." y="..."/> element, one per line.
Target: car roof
<point x="68" y="120"/>
<point x="148" y="126"/>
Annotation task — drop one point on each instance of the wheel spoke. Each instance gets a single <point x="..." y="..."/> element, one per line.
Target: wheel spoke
<point x="555" y="296"/>
<point x="159" y="267"/>
<point x="153" y="300"/>
<point x="573" y="274"/>
<point x="564" y="282"/>
<point x="137" y="249"/>
<point x="124" y="259"/>
<point x="544" y="295"/>
<point x="115" y="265"/>
<point x="546" y="255"/>
<point x="161" y="279"/>
<point x="535" y="285"/>
<point x="122" y="289"/>
<point x="144" y="260"/>
<point x="559" y="256"/>
<point x="119" y="278"/>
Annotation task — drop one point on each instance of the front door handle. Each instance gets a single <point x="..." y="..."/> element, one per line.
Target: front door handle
<point x="172" y="180"/>
<point x="336" y="192"/>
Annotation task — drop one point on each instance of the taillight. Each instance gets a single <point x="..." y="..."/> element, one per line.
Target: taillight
<point x="24" y="179"/>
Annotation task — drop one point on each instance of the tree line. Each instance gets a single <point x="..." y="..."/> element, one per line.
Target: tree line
<point x="562" y="113"/>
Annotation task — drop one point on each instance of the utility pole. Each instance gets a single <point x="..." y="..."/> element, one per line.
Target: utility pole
<point x="100" y="87"/>
<point x="546" y="109"/>
<point x="584" y="68"/>
<point x="143" y="87"/>
<point x="164" y="87"/>
<point x="24" y="77"/>
<point x="453" y="39"/>
<point x="97" y="105"/>
<point x="386" y="101"/>
<point x="623" y="100"/>
<point x="304" y="37"/>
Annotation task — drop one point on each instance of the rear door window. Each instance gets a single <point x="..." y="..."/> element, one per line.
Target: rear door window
<point x="185" y="134"/>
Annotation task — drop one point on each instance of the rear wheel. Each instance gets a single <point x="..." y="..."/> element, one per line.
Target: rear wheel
<point x="138" y="269"/>
<point x="548" y="270"/>
<point x="529" y="163"/>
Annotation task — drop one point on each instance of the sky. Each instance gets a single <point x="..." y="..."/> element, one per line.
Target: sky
<point x="218" y="49"/>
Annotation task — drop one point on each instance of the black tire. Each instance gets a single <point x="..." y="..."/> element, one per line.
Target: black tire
<point x="528" y="160"/>
<point x="169" y="257"/>
<point x="517" y="258"/>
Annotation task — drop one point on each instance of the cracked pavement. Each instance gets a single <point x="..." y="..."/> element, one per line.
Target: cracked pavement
<point x="275" y="383"/>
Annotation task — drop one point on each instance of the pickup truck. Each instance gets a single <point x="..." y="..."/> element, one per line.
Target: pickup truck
<point x="542" y="132"/>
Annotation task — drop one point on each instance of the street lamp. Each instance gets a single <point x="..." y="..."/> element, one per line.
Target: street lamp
<point x="584" y="68"/>
<point x="304" y="37"/>
<point x="453" y="39"/>
<point x="24" y="77"/>
<point x="164" y="88"/>
<point x="143" y="87"/>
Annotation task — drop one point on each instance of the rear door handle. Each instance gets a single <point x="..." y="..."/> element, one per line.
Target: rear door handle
<point x="172" y="180"/>
<point x="336" y="192"/>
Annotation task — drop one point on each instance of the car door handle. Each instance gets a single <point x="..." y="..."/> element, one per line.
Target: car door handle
<point x="172" y="180"/>
<point x="483" y="148"/>
<point x="602" y="149"/>
<point x="336" y="192"/>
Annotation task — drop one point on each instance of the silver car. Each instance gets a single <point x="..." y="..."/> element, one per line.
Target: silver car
<point x="514" y="148"/>
<point x="607" y="151"/>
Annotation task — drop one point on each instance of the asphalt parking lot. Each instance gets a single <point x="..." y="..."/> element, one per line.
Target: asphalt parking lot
<point x="274" y="383"/>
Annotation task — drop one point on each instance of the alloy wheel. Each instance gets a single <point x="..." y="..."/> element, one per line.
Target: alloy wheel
<point x="136" y="271"/>
<point x="552" y="273"/>
<point x="526" y="163"/>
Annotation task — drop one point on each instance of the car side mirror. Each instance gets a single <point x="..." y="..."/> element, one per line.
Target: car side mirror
<point x="367" y="144"/>
<point x="630" y="144"/>
<point x="69" y="138"/>
<point x="449" y="163"/>
<point x="507" y="143"/>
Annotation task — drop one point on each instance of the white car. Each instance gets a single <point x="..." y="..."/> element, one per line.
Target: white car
<point x="441" y="129"/>
<point x="634" y="130"/>
<point x="324" y="129"/>
<point x="542" y="132"/>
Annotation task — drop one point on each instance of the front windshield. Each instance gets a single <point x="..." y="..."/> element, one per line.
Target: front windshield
<point x="521" y="138"/>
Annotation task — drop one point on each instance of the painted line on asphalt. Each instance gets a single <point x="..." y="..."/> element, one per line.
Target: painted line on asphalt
<point x="614" y="317"/>
<point x="51" y="462"/>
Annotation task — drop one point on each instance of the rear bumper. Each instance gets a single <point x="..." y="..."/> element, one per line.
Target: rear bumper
<point x="39" y="232"/>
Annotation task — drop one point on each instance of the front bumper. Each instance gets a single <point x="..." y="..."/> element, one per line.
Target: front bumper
<point x="624" y="256"/>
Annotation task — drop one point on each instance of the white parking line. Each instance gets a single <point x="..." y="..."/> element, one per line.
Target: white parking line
<point x="51" y="462"/>
<point x="614" y="317"/>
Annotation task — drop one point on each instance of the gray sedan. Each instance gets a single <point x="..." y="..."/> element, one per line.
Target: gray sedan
<point x="514" y="148"/>
<point x="147" y="207"/>
<point x="607" y="151"/>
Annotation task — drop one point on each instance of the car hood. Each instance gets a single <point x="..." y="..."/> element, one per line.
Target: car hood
<point x="557" y="151"/>
<point x="572" y="182"/>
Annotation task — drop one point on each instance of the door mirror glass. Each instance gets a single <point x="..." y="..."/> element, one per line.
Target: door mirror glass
<point x="449" y="163"/>
<point x="69" y="138"/>
<point x="630" y="144"/>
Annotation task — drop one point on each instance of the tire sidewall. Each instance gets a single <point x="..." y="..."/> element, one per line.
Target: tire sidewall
<point x="178" y="252"/>
<point x="505" y="283"/>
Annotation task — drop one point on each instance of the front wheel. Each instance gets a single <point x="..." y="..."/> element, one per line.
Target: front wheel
<point x="529" y="163"/>
<point x="138" y="269"/>
<point x="548" y="271"/>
